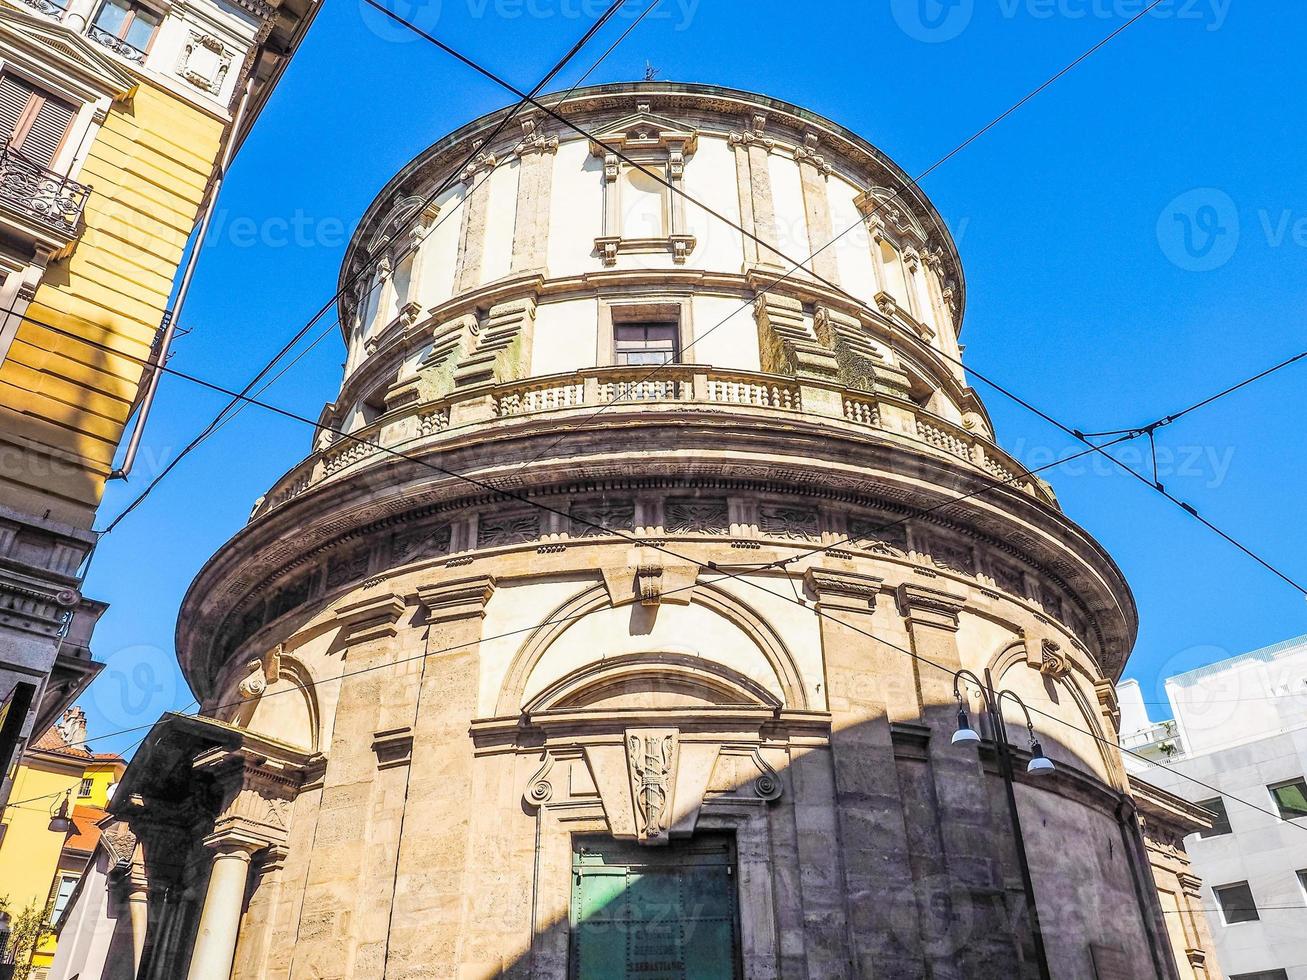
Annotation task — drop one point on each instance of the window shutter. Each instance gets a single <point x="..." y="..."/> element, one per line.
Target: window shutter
<point x="47" y="132"/>
<point x="14" y="96"/>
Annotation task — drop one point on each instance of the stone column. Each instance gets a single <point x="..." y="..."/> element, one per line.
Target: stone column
<point x="814" y="171"/>
<point x="534" y="185"/>
<point x="472" y="233"/>
<point x="138" y="912"/>
<point x="342" y="929"/>
<point x="440" y="925"/>
<point x="868" y="687"/>
<point x="757" y="208"/>
<point x="960" y="866"/>
<point x="220" y="919"/>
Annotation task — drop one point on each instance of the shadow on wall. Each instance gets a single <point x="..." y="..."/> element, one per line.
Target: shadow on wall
<point x="896" y="861"/>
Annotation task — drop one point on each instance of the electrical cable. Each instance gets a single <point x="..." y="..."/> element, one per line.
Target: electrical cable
<point x="209" y="429"/>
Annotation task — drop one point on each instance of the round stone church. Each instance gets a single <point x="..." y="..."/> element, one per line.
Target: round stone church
<point x="612" y="625"/>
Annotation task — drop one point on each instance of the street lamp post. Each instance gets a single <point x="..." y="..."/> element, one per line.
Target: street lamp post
<point x="1040" y="765"/>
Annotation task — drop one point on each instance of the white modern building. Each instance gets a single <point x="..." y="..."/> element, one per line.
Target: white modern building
<point x="1240" y="727"/>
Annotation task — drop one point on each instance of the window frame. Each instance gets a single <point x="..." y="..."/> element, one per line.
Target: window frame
<point x="133" y="6"/>
<point x="38" y="97"/>
<point x="1272" y="788"/>
<point x="86" y="788"/>
<point x="645" y="345"/>
<point x="661" y="309"/>
<point x="1224" y="912"/>
<point x="1224" y="821"/>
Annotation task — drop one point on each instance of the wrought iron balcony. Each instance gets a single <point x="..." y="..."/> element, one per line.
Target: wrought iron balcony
<point x="116" y="44"/>
<point x="50" y="8"/>
<point x="53" y="201"/>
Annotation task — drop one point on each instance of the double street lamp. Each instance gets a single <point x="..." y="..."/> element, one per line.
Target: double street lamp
<point x="1039" y="765"/>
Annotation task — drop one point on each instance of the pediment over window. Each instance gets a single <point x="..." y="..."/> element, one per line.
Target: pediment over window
<point x="882" y="207"/>
<point x="77" y="64"/>
<point x="645" y="130"/>
<point x="403" y="219"/>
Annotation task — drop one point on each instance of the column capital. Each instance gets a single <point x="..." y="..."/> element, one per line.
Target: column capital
<point x="841" y="590"/>
<point x="235" y="842"/>
<point x="373" y="618"/>
<point x="460" y="598"/>
<point x="256" y="796"/>
<point x="922" y="605"/>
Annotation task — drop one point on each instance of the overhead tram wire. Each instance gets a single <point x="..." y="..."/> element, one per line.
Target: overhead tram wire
<point x="489" y="487"/>
<point x="447" y="214"/>
<point x="322" y="311"/>
<point x="1187" y="508"/>
<point x="795" y="266"/>
<point x="709" y="566"/>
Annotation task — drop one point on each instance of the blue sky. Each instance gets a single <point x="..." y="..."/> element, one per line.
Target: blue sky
<point x="1134" y="238"/>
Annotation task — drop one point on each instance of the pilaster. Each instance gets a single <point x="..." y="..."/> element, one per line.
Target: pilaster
<point x="536" y="154"/>
<point x="436" y="917"/>
<point x="861" y="681"/>
<point x="814" y="172"/>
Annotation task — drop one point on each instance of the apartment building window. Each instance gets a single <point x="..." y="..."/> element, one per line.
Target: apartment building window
<point x="1290" y="797"/>
<point x="645" y="343"/>
<point x="32" y="121"/>
<point x="1220" y="819"/>
<point x="129" y="22"/>
<point x="1261" y="975"/>
<point x="87" y="785"/>
<point x="1236" y="902"/>
<point x="63" y="892"/>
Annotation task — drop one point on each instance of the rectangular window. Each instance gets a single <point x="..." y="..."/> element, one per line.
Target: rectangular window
<point x="63" y="892"/>
<point x="1220" y="819"/>
<point x="1236" y="901"/>
<point x="645" y="343"/>
<point x="1290" y="797"/>
<point x="129" y="22"/>
<point x="32" y="121"/>
<point x="87" y="785"/>
<point x="1261" y="975"/>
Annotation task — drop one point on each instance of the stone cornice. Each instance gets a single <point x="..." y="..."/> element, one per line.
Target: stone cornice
<point x="926" y="606"/>
<point x="373" y="618"/>
<point x="841" y="590"/>
<point x="460" y="598"/>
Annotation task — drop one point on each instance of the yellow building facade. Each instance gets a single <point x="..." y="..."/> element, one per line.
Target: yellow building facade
<point x="40" y="867"/>
<point x="116" y="120"/>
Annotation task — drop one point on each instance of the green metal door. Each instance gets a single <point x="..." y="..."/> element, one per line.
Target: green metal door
<point x="654" y="913"/>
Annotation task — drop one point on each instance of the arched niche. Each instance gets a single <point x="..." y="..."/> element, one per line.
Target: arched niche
<point x="277" y="703"/>
<point x="715" y="633"/>
<point x="655" y="680"/>
<point x="1074" y="734"/>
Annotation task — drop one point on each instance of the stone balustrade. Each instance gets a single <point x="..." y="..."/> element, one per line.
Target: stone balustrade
<point x="407" y="428"/>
